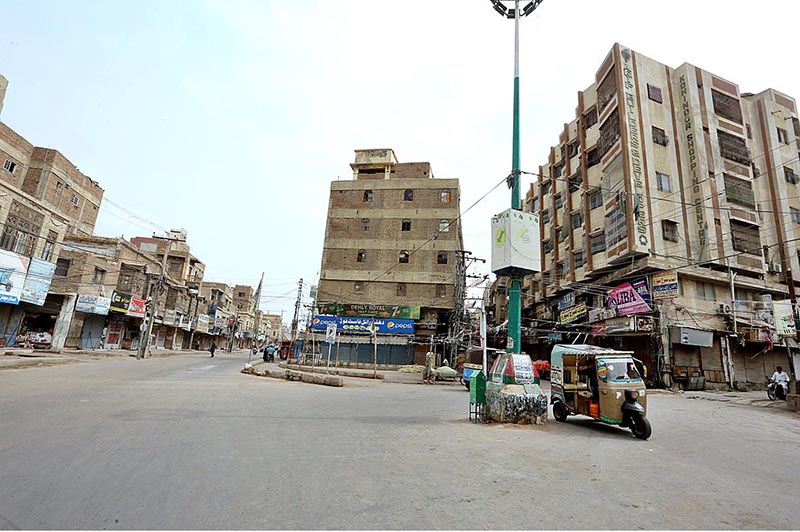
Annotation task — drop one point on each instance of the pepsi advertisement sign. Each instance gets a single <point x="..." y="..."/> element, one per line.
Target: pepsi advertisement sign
<point x="346" y="324"/>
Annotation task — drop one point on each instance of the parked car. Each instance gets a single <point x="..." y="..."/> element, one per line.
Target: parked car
<point x="40" y="339"/>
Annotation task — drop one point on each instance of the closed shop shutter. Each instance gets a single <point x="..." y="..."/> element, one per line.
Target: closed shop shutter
<point x="686" y="356"/>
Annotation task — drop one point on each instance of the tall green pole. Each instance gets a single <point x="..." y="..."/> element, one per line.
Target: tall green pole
<point x="515" y="286"/>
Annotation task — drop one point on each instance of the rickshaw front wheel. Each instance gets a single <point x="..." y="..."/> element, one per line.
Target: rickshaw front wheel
<point x="560" y="411"/>
<point x="640" y="427"/>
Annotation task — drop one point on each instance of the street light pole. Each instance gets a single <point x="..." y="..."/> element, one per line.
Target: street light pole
<point x="515" y="284"/>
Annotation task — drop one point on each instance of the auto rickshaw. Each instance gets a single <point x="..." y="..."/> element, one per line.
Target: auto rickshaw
<point x="601" y="383"/>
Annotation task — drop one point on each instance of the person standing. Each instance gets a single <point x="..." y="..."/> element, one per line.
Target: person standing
<point x="212" y="349"/>
<point x="427" y="376"/>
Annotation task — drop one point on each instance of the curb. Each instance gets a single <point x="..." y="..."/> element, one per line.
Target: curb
<point x="339" y="372"/>
<point x="293" y="375"/>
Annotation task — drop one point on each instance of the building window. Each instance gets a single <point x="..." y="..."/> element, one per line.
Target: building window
<point x="659" y="136"/>
<point x="705" y="290"/>
<point x="598" y="243"/>
<point x="654" y="93"/>
<point x="575" y="182"/>
<point x="546" y="187"/>
<point x="546" y="216"/>
<point x="746" y="238"/>
<point x="49" y="245"/>
<point x="592" y="158"/>
<point x="441" y="258"/>
<point x="405" y="225"/>
<point x="21" y="229"/>
<point x="783" y="136"/>
<point x="365" y="224"/>
<point x="669" y="230"/>
<point x="790" y="176"/>
<point x="361" y="256"/>
<point x="401" y="289"/>
<point x="441" y="290"/>
<point x="577" y="219"/>
<point x="367" y="195"/>
<point x="99" y="276"/>
<point x="733" y="148"/>
<point x="62" y="267"/>
<point x="445" y="195"/>
<point x="404" y="257"/>
<point x="590" y="119"/>
<point x="595" y="199"/>
<point x="578" y="259"/>
<point x="727" y="107"/>
<point x="74" y="200"/>
<point x="358" y="287"/>
<point x="795" y="214"/>
<point x="559" y="198"/>
<point x="444" y="226"/>
<point x="408" y="195"/>
<point x="10" y="166"/>
<point x="663" y="182"/>
<point x="548" y="246"/>
<point x="739" y="191"/>
<point x="572" y="149"/>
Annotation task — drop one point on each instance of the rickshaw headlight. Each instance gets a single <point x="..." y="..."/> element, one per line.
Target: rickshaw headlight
<point x="633" y="394"/>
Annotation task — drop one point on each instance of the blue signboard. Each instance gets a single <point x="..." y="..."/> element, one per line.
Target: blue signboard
<point x="350" y="324"/>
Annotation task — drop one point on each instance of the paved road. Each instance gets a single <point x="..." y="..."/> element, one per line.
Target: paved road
<point x="188" y="442"/>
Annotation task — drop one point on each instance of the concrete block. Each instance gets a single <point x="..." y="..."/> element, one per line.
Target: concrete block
<point x="293" y="375"/>
<point x="307" y="377"/>
<point x="334" y="381"/>
<point x="793" y="402"/>
<point x="514" y="404"/>
<point x="318" y="379"/>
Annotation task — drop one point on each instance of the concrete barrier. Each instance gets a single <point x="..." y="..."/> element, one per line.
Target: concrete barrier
<point x="793" y="402"/>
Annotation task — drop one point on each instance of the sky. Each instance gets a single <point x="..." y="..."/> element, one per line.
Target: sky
<point x="231" y="118"/>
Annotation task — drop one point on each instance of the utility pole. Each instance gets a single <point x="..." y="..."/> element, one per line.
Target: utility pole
<point x="296" y="313"/>
<point x="515" y="282"/>
<point x="152" y="302"/>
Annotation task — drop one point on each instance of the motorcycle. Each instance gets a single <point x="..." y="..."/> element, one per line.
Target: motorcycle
<point x="776" y="390"/>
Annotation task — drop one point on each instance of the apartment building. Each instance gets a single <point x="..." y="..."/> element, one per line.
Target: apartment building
<point x="670" y="217"/>
<point x="392" y="248"/>
<point x="43" y="197"/>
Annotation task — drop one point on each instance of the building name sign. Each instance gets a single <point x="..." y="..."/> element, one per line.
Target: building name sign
<point x="635" y="149"/>
<point x="370" y="311"/>
<point x="691" y="150"/>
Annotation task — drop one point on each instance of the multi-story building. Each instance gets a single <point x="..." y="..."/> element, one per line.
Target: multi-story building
<point x="43" y="197"/>
<point x="220" y="309"/>
<point x="392" y="248"/>
<point x="670" y="216"/>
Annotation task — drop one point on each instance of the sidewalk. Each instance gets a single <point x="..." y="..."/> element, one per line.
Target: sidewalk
<point x="389" y="375"/>
<point x="16" y="358"/>
<point x="757" y="398"/>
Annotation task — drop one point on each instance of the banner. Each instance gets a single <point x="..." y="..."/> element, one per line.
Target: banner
<point x="573" y="313"/>
<point x="37" y="283"/>
<point x="13" y="268"/>
<point x="120" y="302"/>
<point x="346" y="324"/>
<point x="92" y="304"/>
<point x="369" y="311"/>
<point x="665" y="285"/>
<point x="628" y="298"/>
<point x="784" y="318"/>
<point x="203" y="321"/>
<point x="137" y="307"/>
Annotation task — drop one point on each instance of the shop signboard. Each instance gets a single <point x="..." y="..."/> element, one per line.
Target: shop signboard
<point x="566" y="301"/>
<point x="370" y="311"/>
<point x="89" y="304"/>
<point x="629" y="298"/>
<point x="13" y="268"/>
<point x="185" y="323"/>
<point x="37" y="283"/>
<point x="573" y="313"/>
<point x="784" y="318"/>
<point x="170" y="317"/>
<point x="621" y="324"/>
<point x="120" y="302"/>
<point x="665" y="285"/>
<point x="220" y="322"/>
<point x="137" y="307"/>
<point x="347" y="324"/>
<point x="202" y="323"/>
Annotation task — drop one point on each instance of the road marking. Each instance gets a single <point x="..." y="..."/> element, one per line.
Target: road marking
<point x="204" y="368"/>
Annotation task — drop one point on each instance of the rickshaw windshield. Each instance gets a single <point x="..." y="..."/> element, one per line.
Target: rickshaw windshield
<point x="622" y="370"/>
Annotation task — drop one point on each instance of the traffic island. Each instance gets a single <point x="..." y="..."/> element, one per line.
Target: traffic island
<point x="517" y="403"/>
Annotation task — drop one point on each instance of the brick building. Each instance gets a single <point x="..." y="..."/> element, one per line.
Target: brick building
<point x="393" y="239"/>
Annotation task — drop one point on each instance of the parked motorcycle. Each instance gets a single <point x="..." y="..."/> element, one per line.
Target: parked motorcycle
<point x="776" y="390"/>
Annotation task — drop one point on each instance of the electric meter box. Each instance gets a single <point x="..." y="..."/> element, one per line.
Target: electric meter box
<point x="516" y="243"/>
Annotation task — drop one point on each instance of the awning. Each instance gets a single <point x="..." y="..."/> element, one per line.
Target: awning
<point x="755" y="323"/>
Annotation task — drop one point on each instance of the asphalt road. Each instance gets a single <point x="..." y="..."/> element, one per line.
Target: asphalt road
<point x="188" y="442"/>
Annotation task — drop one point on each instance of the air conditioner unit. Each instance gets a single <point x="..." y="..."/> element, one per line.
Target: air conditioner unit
<point x="775" y="267"/>
<point x="725" y="309"/>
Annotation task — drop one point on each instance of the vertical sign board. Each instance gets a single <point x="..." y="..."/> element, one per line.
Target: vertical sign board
<point x="515" y="242"/>
<point x="330" y="333"/>
<point x="784" y="319"/>
<point x="665" y="285"/>
<point x="13" y="268"/>
<point x="37" y="283"/>
<point x="137" y="307"/>
<point x="631" y="109"/>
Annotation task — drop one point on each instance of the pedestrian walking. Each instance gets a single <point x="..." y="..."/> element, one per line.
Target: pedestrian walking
<point x="212" y="349"/>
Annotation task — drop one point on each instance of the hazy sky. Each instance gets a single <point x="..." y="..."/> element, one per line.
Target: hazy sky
<point x="231" y="118"/>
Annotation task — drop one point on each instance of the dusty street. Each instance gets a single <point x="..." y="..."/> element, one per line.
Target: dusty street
<point x="188" y="442"/>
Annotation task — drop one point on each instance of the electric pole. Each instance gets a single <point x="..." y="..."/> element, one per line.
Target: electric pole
<point x="152" y="303"/>
<point x="297" y="311"/>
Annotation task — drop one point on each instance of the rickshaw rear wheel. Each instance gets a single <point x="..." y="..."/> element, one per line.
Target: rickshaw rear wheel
<point x="560" y="411"/>
<point x="640" y="427"/>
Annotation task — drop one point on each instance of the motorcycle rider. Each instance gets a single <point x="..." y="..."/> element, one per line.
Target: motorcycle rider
<point x="782" y="378"/>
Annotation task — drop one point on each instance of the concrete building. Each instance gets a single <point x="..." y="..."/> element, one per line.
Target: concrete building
<point x="43" y="197"/>
<point x="670" y="216"/>
<point x="393" y="246"/>
<point x="220" y="309"/>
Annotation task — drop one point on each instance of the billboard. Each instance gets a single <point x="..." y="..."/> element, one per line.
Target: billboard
<point x="369" y="311"/>
<point x="13" y="268"/>
<point x="37" y="283"/>
<point x="137" y="307"/>
<point x="784" y="318"/>
<point x="120" y="302"/>
<point x="665" y="285"/>
<point x="573" y="313"/>
<point x="89" y="304"/>
<point x="348" y="324"/>
<point x="630" y="298"/>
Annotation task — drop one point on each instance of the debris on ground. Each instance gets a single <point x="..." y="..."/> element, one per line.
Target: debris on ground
<point x="412" y="368"/>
